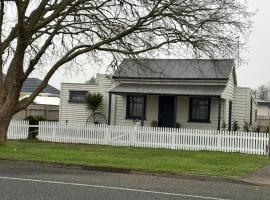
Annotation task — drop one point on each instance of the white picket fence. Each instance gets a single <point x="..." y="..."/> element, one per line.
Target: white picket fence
<point x="18" y="130"/>
<point x="148" y="137"/>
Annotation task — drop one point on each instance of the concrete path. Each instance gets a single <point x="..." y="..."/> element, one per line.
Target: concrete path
<point x="259" y="177"/>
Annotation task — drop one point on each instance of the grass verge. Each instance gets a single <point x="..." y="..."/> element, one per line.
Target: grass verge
<point x="157" y="160"/>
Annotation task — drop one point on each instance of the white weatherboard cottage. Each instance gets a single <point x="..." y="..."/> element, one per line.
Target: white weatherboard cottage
<point x="196" y="93"/>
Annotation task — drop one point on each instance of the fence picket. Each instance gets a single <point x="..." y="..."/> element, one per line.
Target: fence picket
<point x="147" y="137"/>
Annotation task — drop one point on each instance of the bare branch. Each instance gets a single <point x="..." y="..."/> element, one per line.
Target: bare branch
<point x="62" y="30"/>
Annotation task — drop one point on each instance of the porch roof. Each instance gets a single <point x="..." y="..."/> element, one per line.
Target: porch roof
<point x="181" y="90"/>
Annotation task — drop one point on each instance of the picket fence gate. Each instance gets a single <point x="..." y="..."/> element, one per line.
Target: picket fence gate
<point x="149" y="137"/>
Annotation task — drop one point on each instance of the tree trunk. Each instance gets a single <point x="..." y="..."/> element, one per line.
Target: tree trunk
<point x="6" y="114"/>
<point x="4" y="123"/>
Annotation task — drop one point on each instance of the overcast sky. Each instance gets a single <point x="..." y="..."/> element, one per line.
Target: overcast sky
<point x="255" y="73"/>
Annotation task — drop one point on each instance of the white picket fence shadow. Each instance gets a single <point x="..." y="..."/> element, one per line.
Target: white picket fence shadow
<point x="149" y="137"/>
<point x="18" y="130"/>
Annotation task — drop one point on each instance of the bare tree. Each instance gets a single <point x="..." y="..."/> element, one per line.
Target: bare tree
<point x="92" y="80"/>
<point x="54" y="33"/>
<point x="262" y="92"/>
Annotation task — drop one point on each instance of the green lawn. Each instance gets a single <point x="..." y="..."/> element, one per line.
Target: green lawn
<point x="159" y="160"/>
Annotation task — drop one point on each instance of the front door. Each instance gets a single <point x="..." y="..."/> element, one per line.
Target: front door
<point x="167" y="111"/>
<point x="230" y="116"/>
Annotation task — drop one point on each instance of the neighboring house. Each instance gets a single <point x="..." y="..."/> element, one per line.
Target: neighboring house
<point x="263" y="108"/>
<point x="195" y="93"/>
<point x="42" y="105"/>
<point x="263" y="111"/>
<point x="46" y="104"/>
<point x="31" y="84"/>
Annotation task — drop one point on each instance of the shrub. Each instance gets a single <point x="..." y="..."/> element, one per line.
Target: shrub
<point x="224" y="126"/>
<point x="154" y="124"/>
<point x="94" y="102"/>
<point x="235" y="126"/>
<point x="177" y="125"/>
<point x="246" y="127"/>
<point x="34" y="120"/>
<point x="255" y="128"/>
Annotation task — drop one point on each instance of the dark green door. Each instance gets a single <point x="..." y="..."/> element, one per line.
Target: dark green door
<point x="167" y="111"/>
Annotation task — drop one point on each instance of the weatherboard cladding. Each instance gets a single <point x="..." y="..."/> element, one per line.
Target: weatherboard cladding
<point x="78" y="112"/>
<point x="181" y="115"/>
<point x="175" y="69"/>
<point x="241" y="106"/>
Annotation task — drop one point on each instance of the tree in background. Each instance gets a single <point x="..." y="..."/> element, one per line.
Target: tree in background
<point x="262" y="92"/>
<point x="92" y="80"/>
<point x="45" y="35"/>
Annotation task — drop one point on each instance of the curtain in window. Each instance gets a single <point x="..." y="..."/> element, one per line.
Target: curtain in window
<point x="200" y="109"/>
<point x="135" y="106"/>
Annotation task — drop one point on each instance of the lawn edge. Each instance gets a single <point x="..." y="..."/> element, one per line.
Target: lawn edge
<point x="132" y="171"/>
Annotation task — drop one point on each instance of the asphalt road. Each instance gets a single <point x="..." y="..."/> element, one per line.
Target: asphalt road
<point x="28" y="181"/>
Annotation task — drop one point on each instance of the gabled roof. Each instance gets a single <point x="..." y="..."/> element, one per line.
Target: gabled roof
<point x="31" y="84"/>
<point x="200" y="69"/>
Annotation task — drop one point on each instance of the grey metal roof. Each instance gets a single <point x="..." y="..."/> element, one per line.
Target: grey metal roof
<point x="200" y="90"/>
<point x="263" y="102"/>
<point x="31" y="84"/>
<point x="175" y="69"/>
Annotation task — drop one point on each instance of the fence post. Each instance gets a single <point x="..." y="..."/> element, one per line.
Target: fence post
<point x="219" y="141"/>
<point x="38" y="129"/>
<point x="54" y="133"/>
<point x="268" y="146"/>
<point x="132" y="135"/>
<point x="173" y="138"/>
<point x="107" y="136"/>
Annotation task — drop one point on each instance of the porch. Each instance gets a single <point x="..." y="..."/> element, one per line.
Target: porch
<point x="190" y="106"/>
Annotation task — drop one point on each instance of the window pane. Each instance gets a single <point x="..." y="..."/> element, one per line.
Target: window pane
<point x="130" y="109"/>
<point x="77" y="96"/>
<point x="199" y="109"/>
<point x="139" y="99"/>
<point x="195" y="113"/>
<point x="203" y="113"/>
<point x="135" y="107"/>
<point x="139" y="110"/>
